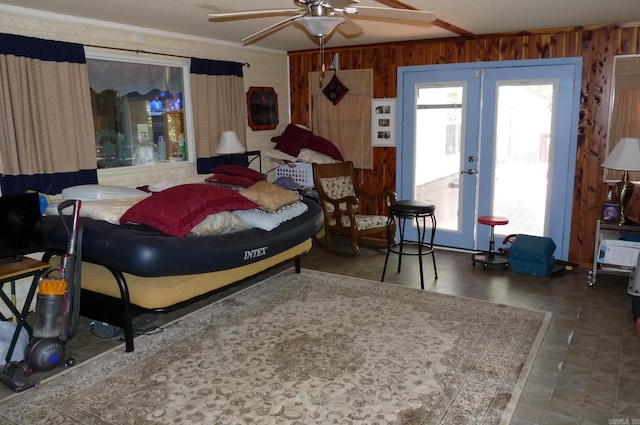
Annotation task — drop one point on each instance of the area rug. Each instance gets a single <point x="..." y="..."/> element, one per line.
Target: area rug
<point x="308" y="348"/>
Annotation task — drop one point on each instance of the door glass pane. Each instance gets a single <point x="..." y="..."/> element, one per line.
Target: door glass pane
<point x="523" y="137"/>
<point x="439" y="112"/>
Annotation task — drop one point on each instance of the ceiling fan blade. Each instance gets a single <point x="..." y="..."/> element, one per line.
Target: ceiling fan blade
<point x="397" y="14"/>
<point x="340" y="4"/>
<point x="271" y="28"/>
<point x="436" y="22"/>
<point x="252" y="13"/>
<point x="349" y="28"/>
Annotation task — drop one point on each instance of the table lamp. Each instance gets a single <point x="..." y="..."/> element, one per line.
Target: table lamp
<point x="625" y="156"/>
<point x="229" y="144"/>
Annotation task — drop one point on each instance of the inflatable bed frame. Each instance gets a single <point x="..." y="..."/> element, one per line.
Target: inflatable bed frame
<point x="159" y="272"/>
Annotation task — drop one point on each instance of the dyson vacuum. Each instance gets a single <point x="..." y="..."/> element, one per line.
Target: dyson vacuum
<point x="57" y="310"/>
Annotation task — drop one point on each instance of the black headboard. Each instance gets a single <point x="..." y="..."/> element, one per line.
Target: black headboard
<point x="205" y="165"/>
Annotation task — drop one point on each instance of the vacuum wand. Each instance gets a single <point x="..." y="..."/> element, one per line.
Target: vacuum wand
<point x="70" y="268"/>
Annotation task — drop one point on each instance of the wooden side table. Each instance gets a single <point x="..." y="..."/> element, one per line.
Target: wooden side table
<point x="10" y="272"/>
<point x="610" y="269"/>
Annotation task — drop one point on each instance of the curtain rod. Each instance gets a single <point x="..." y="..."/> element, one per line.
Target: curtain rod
<point x="138" y="51"/>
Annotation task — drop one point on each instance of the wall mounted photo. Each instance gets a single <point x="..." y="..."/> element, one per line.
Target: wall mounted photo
<point x="383" y="122"/>
<point x="262" y="108"/>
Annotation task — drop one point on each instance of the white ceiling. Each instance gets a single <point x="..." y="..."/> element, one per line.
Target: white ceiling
<point x="475" y="16"/>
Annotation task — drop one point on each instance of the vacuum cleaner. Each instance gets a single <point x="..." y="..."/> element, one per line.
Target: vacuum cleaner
<point x="57" y="311"/>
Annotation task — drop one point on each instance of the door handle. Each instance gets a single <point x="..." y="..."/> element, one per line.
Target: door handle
<point x="470" y="171"/>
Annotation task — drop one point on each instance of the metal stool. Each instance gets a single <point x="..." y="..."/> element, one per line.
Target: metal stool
<point x="489" y="258"/>
<point x="409" y="210"/>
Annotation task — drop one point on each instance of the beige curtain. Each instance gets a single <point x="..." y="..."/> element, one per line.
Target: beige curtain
<point x="219" y="104"/>
<point x="625" y="122"/>
<point x="347" y="124"/>
<point x="46" y="123"/>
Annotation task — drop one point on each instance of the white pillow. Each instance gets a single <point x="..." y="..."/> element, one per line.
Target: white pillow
<point x="109" y="210"/>
<point x="86" y="192"/>
<point x="219" y="223"/>
<point x="305" y="155"/>
<point x="168" y="183"/>
<point x="308" y="155"/>
<point x="259" y="219"/>
<point x="278" y="154"/>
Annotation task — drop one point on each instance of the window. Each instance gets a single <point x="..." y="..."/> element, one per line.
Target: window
<point x="139" y="108"/>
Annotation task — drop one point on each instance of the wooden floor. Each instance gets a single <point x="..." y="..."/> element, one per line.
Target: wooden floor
<point x="587" y="370"/>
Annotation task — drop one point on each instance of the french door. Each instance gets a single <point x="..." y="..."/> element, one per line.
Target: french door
<point x="491" y="138"/>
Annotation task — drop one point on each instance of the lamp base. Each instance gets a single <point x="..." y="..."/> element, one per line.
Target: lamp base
<point x="624" y="189"/>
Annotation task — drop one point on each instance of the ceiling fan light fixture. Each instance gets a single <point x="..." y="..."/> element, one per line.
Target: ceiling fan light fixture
<point x="320" y="26"/>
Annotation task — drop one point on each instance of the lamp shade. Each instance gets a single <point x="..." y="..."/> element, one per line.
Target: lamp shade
<point x="320" y="26"/>
<point x="229" y="144"/>
<point x="624" y="156"/>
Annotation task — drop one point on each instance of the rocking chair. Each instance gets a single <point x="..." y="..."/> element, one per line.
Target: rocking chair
<point x="349" y="210"/>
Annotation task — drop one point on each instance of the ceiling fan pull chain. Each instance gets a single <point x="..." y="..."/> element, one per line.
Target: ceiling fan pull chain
<point x="322" y="68"/>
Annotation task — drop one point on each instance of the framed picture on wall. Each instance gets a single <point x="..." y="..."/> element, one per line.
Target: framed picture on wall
<point x="383" y="122"/>
<point x="262" y="108"/>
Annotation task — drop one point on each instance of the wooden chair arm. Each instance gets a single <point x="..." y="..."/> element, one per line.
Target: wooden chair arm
<point x="387" y="196"/>
<point x="349" y="201"/>
<point x="367" y="195"/>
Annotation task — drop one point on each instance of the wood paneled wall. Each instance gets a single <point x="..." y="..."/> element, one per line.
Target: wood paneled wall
<point x="596" y="45"/>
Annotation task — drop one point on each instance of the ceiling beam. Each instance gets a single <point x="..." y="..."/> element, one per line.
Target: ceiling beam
<point x="454" y="29"/>
<point x="396" y="4"/>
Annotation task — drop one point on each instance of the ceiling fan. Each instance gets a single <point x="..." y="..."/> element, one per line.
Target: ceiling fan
<point x="321" y="17"/>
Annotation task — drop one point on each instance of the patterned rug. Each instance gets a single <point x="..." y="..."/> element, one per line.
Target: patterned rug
<point x="309" y="348"/>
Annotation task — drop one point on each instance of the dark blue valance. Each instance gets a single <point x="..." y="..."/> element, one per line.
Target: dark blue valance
<point x="51" y="184"/>
<point x="38" y="48"/>
<point x="214" y="67"/>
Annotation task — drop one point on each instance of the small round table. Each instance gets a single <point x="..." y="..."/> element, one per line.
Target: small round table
<point x="418" y="211"/>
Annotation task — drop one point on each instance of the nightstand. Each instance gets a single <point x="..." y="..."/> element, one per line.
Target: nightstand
<point x="10" y="272"/>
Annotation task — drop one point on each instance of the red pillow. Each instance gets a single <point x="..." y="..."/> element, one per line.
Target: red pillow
<point x="292" y="139"/>
<point x="176" y="210"/>
<point x="322" y="145"/>
<point x="232" y="180"/>
<point x="239" y="170"/>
